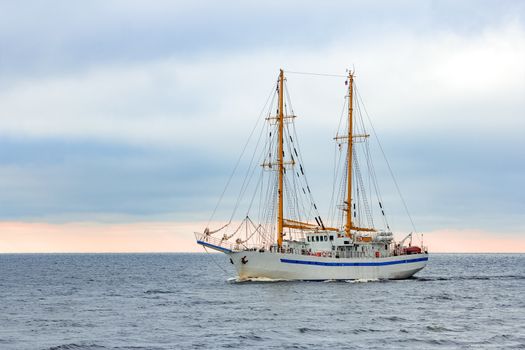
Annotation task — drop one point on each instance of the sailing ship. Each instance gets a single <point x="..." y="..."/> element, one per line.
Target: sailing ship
<point x="289" y="240"/>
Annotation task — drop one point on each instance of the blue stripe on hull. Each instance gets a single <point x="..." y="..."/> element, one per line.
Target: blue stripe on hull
<point x="222" y="249"/>
<point x="382" y="263"/>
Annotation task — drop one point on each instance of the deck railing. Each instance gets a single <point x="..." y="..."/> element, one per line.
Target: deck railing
<point x="221" y="243"/>
<point x="236" y="247"/>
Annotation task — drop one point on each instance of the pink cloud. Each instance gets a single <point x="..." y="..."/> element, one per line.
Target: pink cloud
<point x="18" y="237"/>
<point x="473" y="241"/>
<point x="22" y="237"/>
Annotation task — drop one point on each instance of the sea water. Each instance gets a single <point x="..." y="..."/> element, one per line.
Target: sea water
<point x="193" y="301"/>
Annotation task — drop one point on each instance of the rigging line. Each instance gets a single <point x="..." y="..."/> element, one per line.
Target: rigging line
<point x="268" y="212"/>
<point x="299" y="200"/>
<point x="360" y="184"/>
<point x="375" y="184"/>
<point x="264" y="207"/>
<point x="272" y="92"/>
<point x="295" y="202"/>
<point x="214" y="261"/>
<point x="301" y="162"/>
<point x="259" y="182"/>
<point x="374" y="176"/>
<point x="371" y="170"/>
<point x="316" y="74"/>
<point x="299" y="155"/>
<point x="341" y="194"/>
<point x="288" y="98"/>
<point x="263" y="198"/>
<point x="335" y="197"/>
<point x="342" y="115"/>
<point x="369" y="179"/>
<point x="362" y="130"/>
<point x="302" y="179"/>
<point x="337" y="163"/>
<point x="249" y="171"/>
<point x="386" y="160"/>
<point x="248" y="177"/>
<point x="267" y="198"/>
<point x="250" y="236"/>
<point x="329" y="216"/>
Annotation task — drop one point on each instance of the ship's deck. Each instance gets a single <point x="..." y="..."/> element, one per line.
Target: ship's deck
<point x="228" y="247"/>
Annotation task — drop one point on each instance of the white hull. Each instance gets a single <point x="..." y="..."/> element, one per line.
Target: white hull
<point x="300" y="267"/>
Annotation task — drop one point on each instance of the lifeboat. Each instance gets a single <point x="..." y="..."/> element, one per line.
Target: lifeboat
<point x="412" y="250"/>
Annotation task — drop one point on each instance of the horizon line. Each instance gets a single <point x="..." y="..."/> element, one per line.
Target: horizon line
<point x="192" y="252"/>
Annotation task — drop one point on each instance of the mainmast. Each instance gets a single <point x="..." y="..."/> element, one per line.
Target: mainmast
<point x="348" y="225"/>
<point x="280" y="214"/>
<point x="347" y="208"/>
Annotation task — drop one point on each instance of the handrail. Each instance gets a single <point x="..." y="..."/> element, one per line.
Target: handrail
<point x="223" y="243"/>
<point x="235" y="247"/>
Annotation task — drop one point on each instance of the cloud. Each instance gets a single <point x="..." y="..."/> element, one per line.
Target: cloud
<point x="164" y="236"/>
<point x="134" y="111"/>
<point x="167" y="99"/>
<point x="20" y="237"/>
<point x="473" y="241"/>
<point x="73" y="180"/>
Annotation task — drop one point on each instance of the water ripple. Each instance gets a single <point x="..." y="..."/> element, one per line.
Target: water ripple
<point x="184" y="301"/>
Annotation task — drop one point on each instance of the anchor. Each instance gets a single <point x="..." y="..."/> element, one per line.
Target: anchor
<point x="244" y="260"/>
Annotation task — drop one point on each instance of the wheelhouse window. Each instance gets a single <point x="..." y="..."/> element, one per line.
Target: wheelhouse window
<point x="331" y="237"/>
<point x="317" y="238"/>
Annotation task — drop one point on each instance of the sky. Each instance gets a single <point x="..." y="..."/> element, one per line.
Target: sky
<point x="121" y="121"/>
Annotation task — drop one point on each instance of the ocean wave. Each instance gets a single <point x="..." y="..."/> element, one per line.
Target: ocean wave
<point x="450" y="343"/>
<point x="363" y="280"/>
<point x="252" y="337"/>
<point x="255" y="279"/>
<point x="268" y="280"/>
<point x="467" y="278"/>
<point x="443" y="296"/>
<point x="74" y="346"/>
<point x="438" y="329"/>
<point x="365" y="330"/>
<point x="457" y="308"/>
<point x="394" y="318"/>
<point x="309" y="330"/>
<point x="158" y="291"/>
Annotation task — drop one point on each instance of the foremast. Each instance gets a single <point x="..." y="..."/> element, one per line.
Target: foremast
<point x="283" y="222"/>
